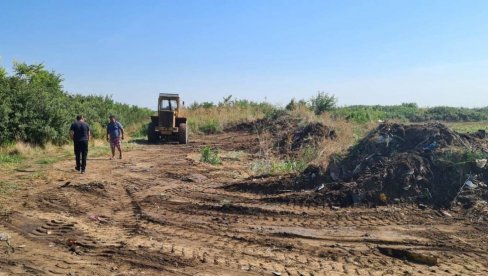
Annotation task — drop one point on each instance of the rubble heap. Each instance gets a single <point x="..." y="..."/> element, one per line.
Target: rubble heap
<point x="289" y="134"/>
<point x="426" y="163"/>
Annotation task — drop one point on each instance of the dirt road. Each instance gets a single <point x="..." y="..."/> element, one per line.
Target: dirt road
<point x="161" y="212"/>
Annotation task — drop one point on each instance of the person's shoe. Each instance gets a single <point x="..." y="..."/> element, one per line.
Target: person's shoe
<point x="82" y="171"/>
<point x="77" y="169"/>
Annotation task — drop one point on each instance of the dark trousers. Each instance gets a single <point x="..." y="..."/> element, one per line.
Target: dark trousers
<point x="81" y="151"/>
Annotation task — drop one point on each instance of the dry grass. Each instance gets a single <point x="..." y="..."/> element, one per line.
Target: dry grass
<point x="29" y="150"/>
<point x="18" y="148"/>
<point x="211" y="120"/>
<point x="348" y="134"/>
<point x="21" y="154"/>
<point x="306" y="115"/>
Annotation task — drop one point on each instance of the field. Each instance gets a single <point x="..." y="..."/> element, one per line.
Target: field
<point x="162" y="210"/>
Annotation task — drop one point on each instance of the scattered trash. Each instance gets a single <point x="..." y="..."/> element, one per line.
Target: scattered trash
<point x="320" y="187"/>
<point x="418" y="163"/>
<point x="335" y="208"/>
<point x="98" y="219"/>
<point x="65" y="184"/>
<point x="481" y="163"/>
<point x="422" y="206"/>
<point x="276" y="273"/>
<point x="469" y="184"/>
<point x="431" y="146"/>
<point x="71" y="242"/>
<point x="404" y="254"/>
<point x="383" y="198"/>
<point x="446" y="213"/>
<point x="6" y="238"/>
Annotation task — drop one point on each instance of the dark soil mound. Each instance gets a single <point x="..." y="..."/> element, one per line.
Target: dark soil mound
<point x="289" y="134"/>
<point x="424" y="163"/>
<point x="309" y="134"/>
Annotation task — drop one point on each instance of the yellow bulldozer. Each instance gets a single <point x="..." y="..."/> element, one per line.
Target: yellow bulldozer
<point x="168" y="124"/>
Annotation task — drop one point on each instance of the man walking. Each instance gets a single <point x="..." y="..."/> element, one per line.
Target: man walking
<point x="115" y="133"/>
<point x="80" y="134"/>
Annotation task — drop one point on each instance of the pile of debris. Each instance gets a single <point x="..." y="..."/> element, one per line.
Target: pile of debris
<point x="288" y="134"/>
<point x="425" y="163"/>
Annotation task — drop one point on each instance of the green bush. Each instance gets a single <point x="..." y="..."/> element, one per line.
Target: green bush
<point x="277" y="167"/>
<point x="211" y="156"/>
<point x="35" y="109"/>
<point x="210" y="127"/>
<point x="141" y="131"/>
<point x="323" y="102"/>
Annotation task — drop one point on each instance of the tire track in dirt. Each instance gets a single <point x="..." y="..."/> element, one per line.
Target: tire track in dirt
<point x="199" y="209"/>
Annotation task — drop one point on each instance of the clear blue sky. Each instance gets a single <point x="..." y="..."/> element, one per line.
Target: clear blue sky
<point x="433" y="52"/>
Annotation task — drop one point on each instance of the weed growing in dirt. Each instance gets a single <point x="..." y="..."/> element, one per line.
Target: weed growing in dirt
<point x="11" y="158"/>
<point x="462" y="158"/>
<point x="6" y="187"/>
<point x="276" y="167"/>
<point x="211" y="156"/>
<point x="233" y="155"/>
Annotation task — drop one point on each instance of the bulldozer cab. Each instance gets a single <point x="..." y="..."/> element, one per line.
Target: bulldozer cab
<point x="168" y="104"/>
<point x="168" y="109"/>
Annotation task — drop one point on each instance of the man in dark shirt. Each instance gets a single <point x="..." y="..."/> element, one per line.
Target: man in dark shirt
<point x="80" y="134"/>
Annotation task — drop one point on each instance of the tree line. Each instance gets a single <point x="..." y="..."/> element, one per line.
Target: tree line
<point x="34" y="107"/>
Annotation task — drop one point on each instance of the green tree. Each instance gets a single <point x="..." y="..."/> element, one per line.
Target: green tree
<point x="323" y="102"/>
